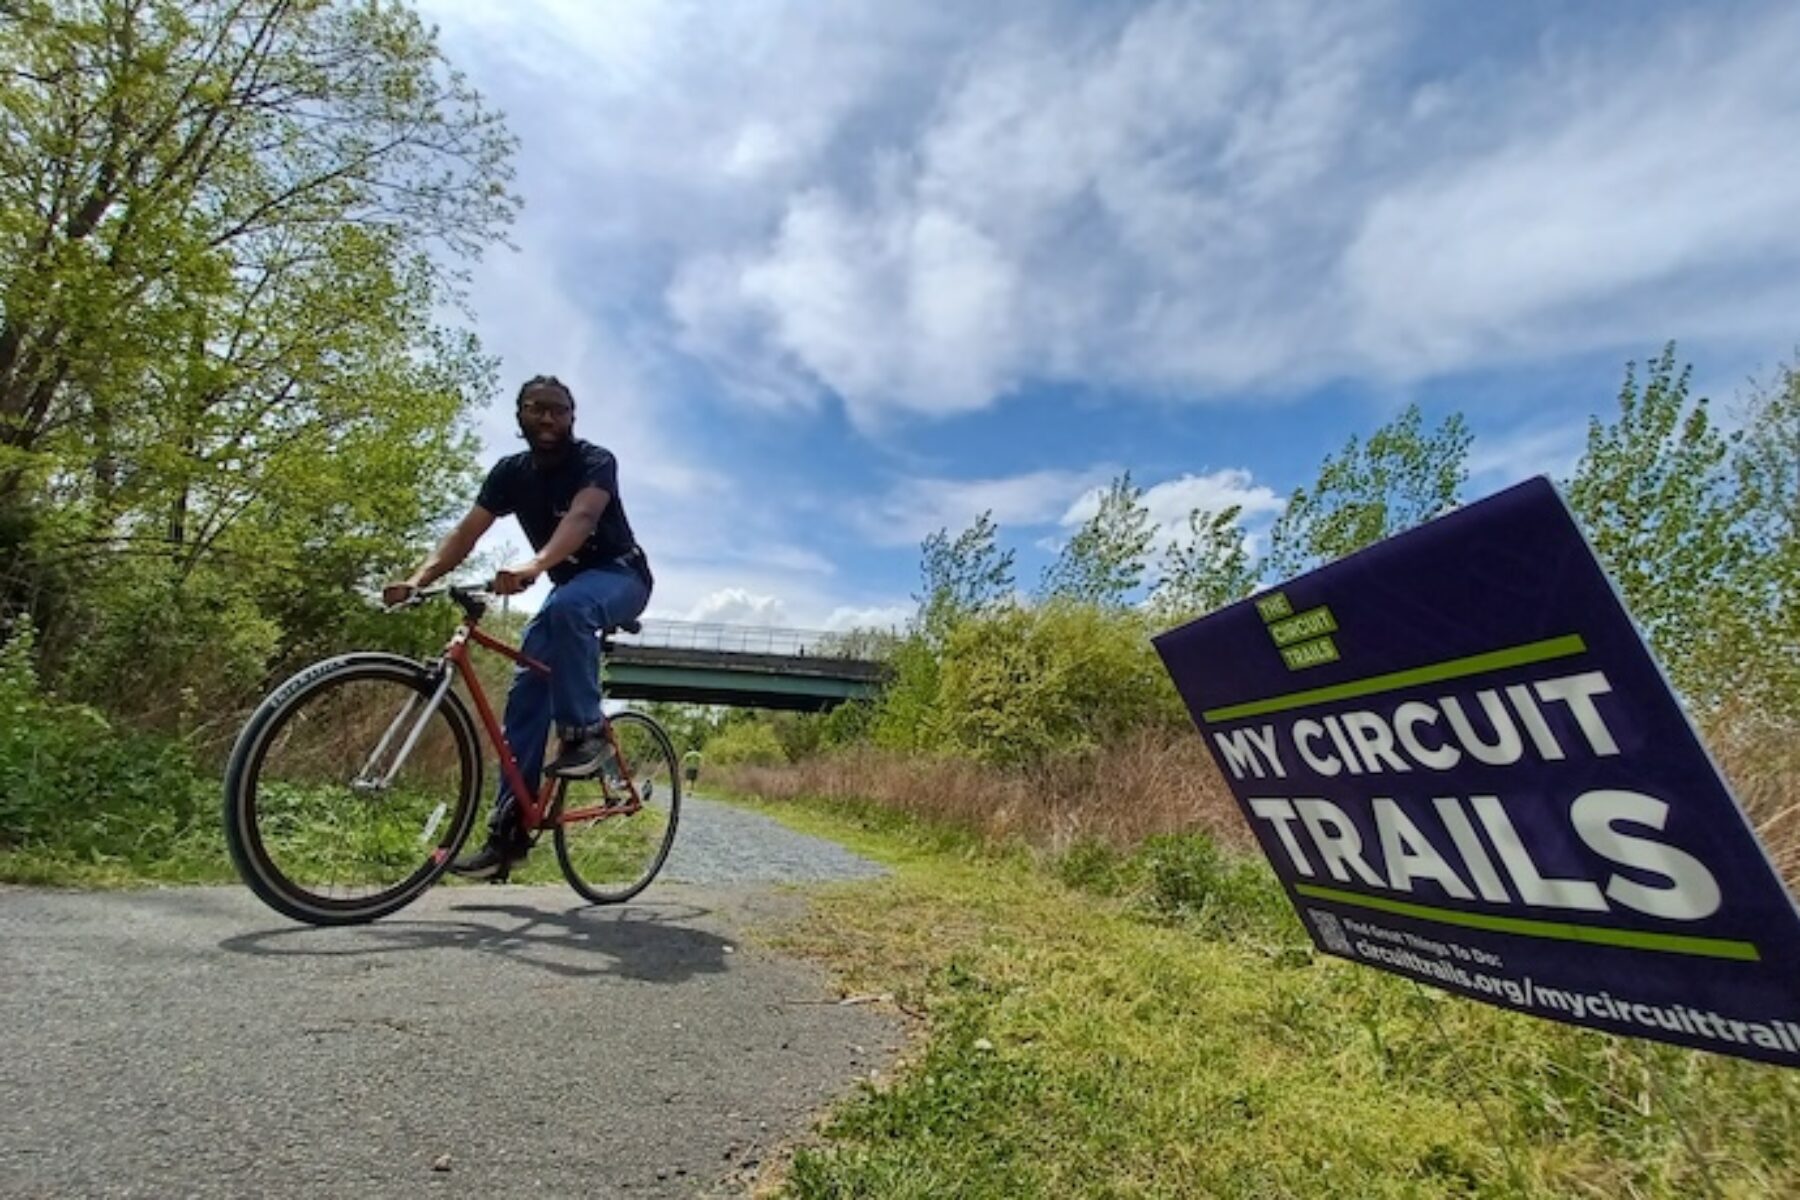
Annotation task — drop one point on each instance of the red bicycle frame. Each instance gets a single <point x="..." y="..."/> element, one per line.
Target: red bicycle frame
<point x="532" y="809"/>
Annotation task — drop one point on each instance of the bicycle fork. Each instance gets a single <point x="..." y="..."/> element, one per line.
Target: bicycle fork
<point x="372" y="778"/>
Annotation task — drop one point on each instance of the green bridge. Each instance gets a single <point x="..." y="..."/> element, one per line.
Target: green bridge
<point x="696" y="663"/>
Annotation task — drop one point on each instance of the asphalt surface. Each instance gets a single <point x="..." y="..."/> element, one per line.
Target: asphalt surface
<point x="486" y="1041"/>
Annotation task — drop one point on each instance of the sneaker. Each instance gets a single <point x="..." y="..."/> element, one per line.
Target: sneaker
<point x="585" y="756"/>
<point x="493" y="861"/>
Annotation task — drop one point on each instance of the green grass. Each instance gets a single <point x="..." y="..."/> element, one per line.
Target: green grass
<point x="1158" y="1025"/>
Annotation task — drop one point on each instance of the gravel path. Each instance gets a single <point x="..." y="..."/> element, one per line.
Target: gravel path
<point x="717" y="843"/>
<point x="190" y="1042"/>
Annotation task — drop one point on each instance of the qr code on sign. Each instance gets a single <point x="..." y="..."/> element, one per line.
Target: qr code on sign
<point x="1330" y="932"/>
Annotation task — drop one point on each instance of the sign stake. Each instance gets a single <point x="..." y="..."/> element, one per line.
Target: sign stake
<point x="1494" y="1128"/>
<point x="1679" y="1117"/>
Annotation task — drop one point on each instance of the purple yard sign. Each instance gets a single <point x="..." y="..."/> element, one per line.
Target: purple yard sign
<point x="1467" y="769"/>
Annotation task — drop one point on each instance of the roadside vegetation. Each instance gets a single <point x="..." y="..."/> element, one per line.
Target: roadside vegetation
<point x="1156" y="1023"/>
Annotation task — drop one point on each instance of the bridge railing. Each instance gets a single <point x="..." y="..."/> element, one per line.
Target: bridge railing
<point x="739" y="639"/>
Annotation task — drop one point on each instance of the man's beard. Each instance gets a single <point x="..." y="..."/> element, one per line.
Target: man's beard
<point x="550" y="450"/>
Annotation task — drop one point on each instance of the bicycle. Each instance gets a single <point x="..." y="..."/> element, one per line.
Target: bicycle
<point x="352" y="787"/>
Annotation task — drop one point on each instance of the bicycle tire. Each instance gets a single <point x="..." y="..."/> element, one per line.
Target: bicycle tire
<point x="243" y="776"/>
<point x="659" y="823"/>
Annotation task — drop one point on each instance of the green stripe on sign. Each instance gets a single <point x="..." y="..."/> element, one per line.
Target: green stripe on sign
<point x="1456" y="668"/>
<point x="1562" y="931"/>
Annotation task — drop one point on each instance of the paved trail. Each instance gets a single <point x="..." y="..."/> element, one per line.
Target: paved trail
<point x="190" y="1042"/>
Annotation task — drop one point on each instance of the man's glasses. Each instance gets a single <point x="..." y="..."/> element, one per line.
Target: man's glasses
<point x="545" y="408"/>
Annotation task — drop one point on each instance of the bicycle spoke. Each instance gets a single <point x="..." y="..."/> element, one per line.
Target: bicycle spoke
<point x="338" y="817"/>
<point x="615" y="834"/>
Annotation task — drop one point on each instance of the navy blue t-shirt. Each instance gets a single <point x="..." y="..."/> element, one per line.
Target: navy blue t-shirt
<point x="540" y="498"/>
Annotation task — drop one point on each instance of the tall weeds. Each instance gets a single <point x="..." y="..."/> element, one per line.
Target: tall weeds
<point x="1158" y="781"/>
<point x="1759" y="754"/>
<point x="1147" y="783"/>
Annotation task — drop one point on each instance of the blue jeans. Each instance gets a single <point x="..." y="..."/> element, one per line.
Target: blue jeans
<point x="564" y="636"/>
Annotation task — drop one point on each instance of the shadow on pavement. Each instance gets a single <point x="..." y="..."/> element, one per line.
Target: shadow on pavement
<point x="650" y="942"/>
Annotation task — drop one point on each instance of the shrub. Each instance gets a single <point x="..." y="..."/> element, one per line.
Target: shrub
<point x="1187" y="877"/>
<point x="165" y="652"/>
<point x="749" y="743"/>
<point x="74" y="785"/>
<point x="1020" y="684"/>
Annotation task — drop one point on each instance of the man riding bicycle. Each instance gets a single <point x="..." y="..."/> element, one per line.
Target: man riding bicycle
<point x="565" y="493"/>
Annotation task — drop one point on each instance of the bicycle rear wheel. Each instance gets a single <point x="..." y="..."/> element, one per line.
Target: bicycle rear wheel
<point x="348" y="794"/>
<point x="613" y="835"/>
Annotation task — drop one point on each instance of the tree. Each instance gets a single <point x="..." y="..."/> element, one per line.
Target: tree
<point x="1754" y="625"/>
<point x="1104" y="561"/>
<point x="1211" y="569"/>
<point x="967" y="575"/>
<point x="225" y="230"/>
<point x="1400" y="478"/>
<point x="1652" y="494"/>
<point x="171" y="164"/>
<point x="1766" y="466"/>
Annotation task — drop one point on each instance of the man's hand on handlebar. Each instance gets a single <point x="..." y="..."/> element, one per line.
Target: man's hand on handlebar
<point x="399" y="592"/>
<point x="509" y="581"/>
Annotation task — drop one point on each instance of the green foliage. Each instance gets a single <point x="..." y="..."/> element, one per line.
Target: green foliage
<point x="164" y="652"/>
<point x="750" y="743"/>
<point x="689" y="726"/>
<point x="1752" y="628"/>
<point x="224" y="398"/>
<point x="846" y="724"/>
<point x="1401" y="477"/>
<point x="1104" y="562"/>
<point x="907" y="715"/>
<point x="1211" y="569"/>
<point x="799" y="734"/>
<point x="1091" y="865"/>
<point x="958" y="578"/>
<point x="870" y="645"/>
<point x="72" y="786"/>
<point x="1651" y="491"/>
<point x="1187" y="877"/>
<point x="1020" y="684"/>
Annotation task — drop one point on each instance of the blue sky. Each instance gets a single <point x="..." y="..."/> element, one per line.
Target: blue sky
<point x="830" y="276"/>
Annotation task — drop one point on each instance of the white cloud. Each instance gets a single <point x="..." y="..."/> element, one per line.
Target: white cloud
<point x="1086" y="200"/>
<point x="736" y="606"/>
<point x="1503" y="459"/>
<point x="1624" y="201"/>
<point x="887" y="616"/>
<point x="925" y="207"/>
<point x="913" y="508"/>
<point x="1171" y="501"/>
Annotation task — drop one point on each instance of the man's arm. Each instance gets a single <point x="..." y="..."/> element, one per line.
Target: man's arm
<point x="456" y="546"/>
<point x="571" y="532"/>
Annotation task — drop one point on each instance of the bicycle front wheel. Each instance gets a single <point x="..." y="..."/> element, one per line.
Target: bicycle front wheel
<point x="613" y="834"/>
<point x="350" y="792"/>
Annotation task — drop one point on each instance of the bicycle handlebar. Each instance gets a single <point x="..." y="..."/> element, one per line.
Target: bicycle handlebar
<point x="473" y="601"/>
